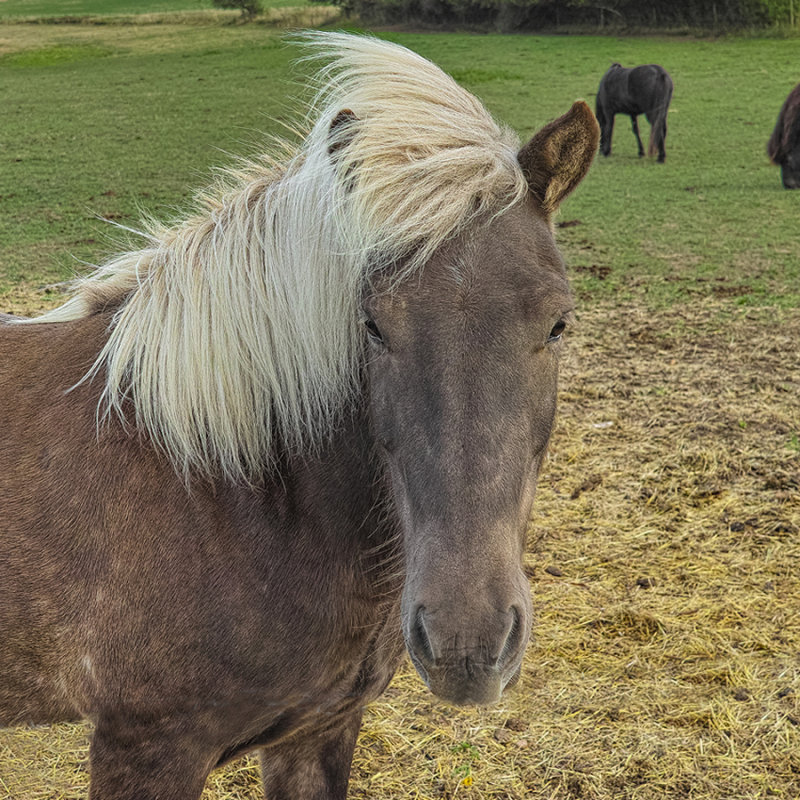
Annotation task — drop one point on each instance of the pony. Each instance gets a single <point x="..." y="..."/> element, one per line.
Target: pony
<point x="783" y="147"/>
<point x="296" y="433"/>
<point x="640" y="90"/>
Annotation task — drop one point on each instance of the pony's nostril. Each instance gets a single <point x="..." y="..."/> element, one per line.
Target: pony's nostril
<point x="420" y="640"/>
<point x="513" y="640"/>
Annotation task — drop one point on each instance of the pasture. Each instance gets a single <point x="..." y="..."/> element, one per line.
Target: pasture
<point x="664" y="548"/>
<point x="46" y="8"/>
<point x="39" y="9"/>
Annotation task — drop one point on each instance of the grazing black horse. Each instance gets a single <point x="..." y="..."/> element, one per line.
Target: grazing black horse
<point x="641" y="90"/>
<point x="783" y="147"/>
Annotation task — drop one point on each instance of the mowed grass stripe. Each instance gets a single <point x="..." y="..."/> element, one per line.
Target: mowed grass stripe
<point x="15" y="9"/>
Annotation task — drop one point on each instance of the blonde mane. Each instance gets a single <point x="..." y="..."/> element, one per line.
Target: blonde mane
<point x="237" y="331"/>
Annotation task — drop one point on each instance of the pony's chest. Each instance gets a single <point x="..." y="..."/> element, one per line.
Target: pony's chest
<point x="338" y="683"/>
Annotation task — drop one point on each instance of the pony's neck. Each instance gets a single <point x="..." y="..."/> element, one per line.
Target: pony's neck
<point x="235" y="333"/>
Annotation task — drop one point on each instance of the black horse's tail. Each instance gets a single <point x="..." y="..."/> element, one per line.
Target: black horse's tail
<point x="658" y="123"/>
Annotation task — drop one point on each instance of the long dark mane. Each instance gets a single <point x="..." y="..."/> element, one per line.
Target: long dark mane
<point x="787" y="128"/>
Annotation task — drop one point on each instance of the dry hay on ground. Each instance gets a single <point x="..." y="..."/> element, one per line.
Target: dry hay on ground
<point x="665" y="565"/>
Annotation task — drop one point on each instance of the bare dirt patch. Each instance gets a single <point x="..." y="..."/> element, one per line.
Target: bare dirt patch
<point x="664" y="556"/>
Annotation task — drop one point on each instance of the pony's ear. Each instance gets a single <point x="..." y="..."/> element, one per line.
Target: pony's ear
<point x="342" y="130"/>
<point x="556" y="159"/>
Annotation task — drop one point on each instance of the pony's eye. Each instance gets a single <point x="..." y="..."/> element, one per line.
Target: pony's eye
<point x="373" y="331"/>
<point x="558" y="329"/>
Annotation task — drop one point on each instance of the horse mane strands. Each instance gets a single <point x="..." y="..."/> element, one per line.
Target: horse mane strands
<point x="424" y="157"/>
<point x="236" y="331"/>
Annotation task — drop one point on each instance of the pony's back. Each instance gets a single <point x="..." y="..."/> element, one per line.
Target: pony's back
<point x="651" y="86"/>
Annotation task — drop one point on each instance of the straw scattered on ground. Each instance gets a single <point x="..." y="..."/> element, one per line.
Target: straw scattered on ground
<point x="664" y="557"/>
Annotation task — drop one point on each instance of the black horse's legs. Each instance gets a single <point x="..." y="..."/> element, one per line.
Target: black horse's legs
<point x="659" y="133"/>
<point x="605" y="137"/>
<point x="314" y="765"/>
<point x="130" y="762"/>
<point x="606" y="129"/>
<point x="662" y="136"/>
<point x="635" y="126"/>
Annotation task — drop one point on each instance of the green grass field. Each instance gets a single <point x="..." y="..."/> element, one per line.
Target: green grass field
<point x="664" y="550"/>
<point x="12" y="9"/>
<point x="66" y="8"/>
<point x="714" y="214"/>
<point x="116" y="121"/>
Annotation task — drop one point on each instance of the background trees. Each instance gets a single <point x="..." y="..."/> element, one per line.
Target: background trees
<point x="536" y="14"/>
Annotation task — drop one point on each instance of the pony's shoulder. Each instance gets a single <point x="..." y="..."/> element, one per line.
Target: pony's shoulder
<point x="35" y="355"/>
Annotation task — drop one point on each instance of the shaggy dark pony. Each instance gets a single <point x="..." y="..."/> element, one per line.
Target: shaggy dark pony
<point x="783" y="147"/>
<point x="640" y="90"/>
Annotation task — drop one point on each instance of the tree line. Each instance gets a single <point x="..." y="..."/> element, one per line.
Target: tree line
<point x="717" y="15"/>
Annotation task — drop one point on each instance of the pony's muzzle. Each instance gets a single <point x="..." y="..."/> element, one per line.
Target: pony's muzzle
<point x="790" y="178"/>
<point x="467" y="667"/>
